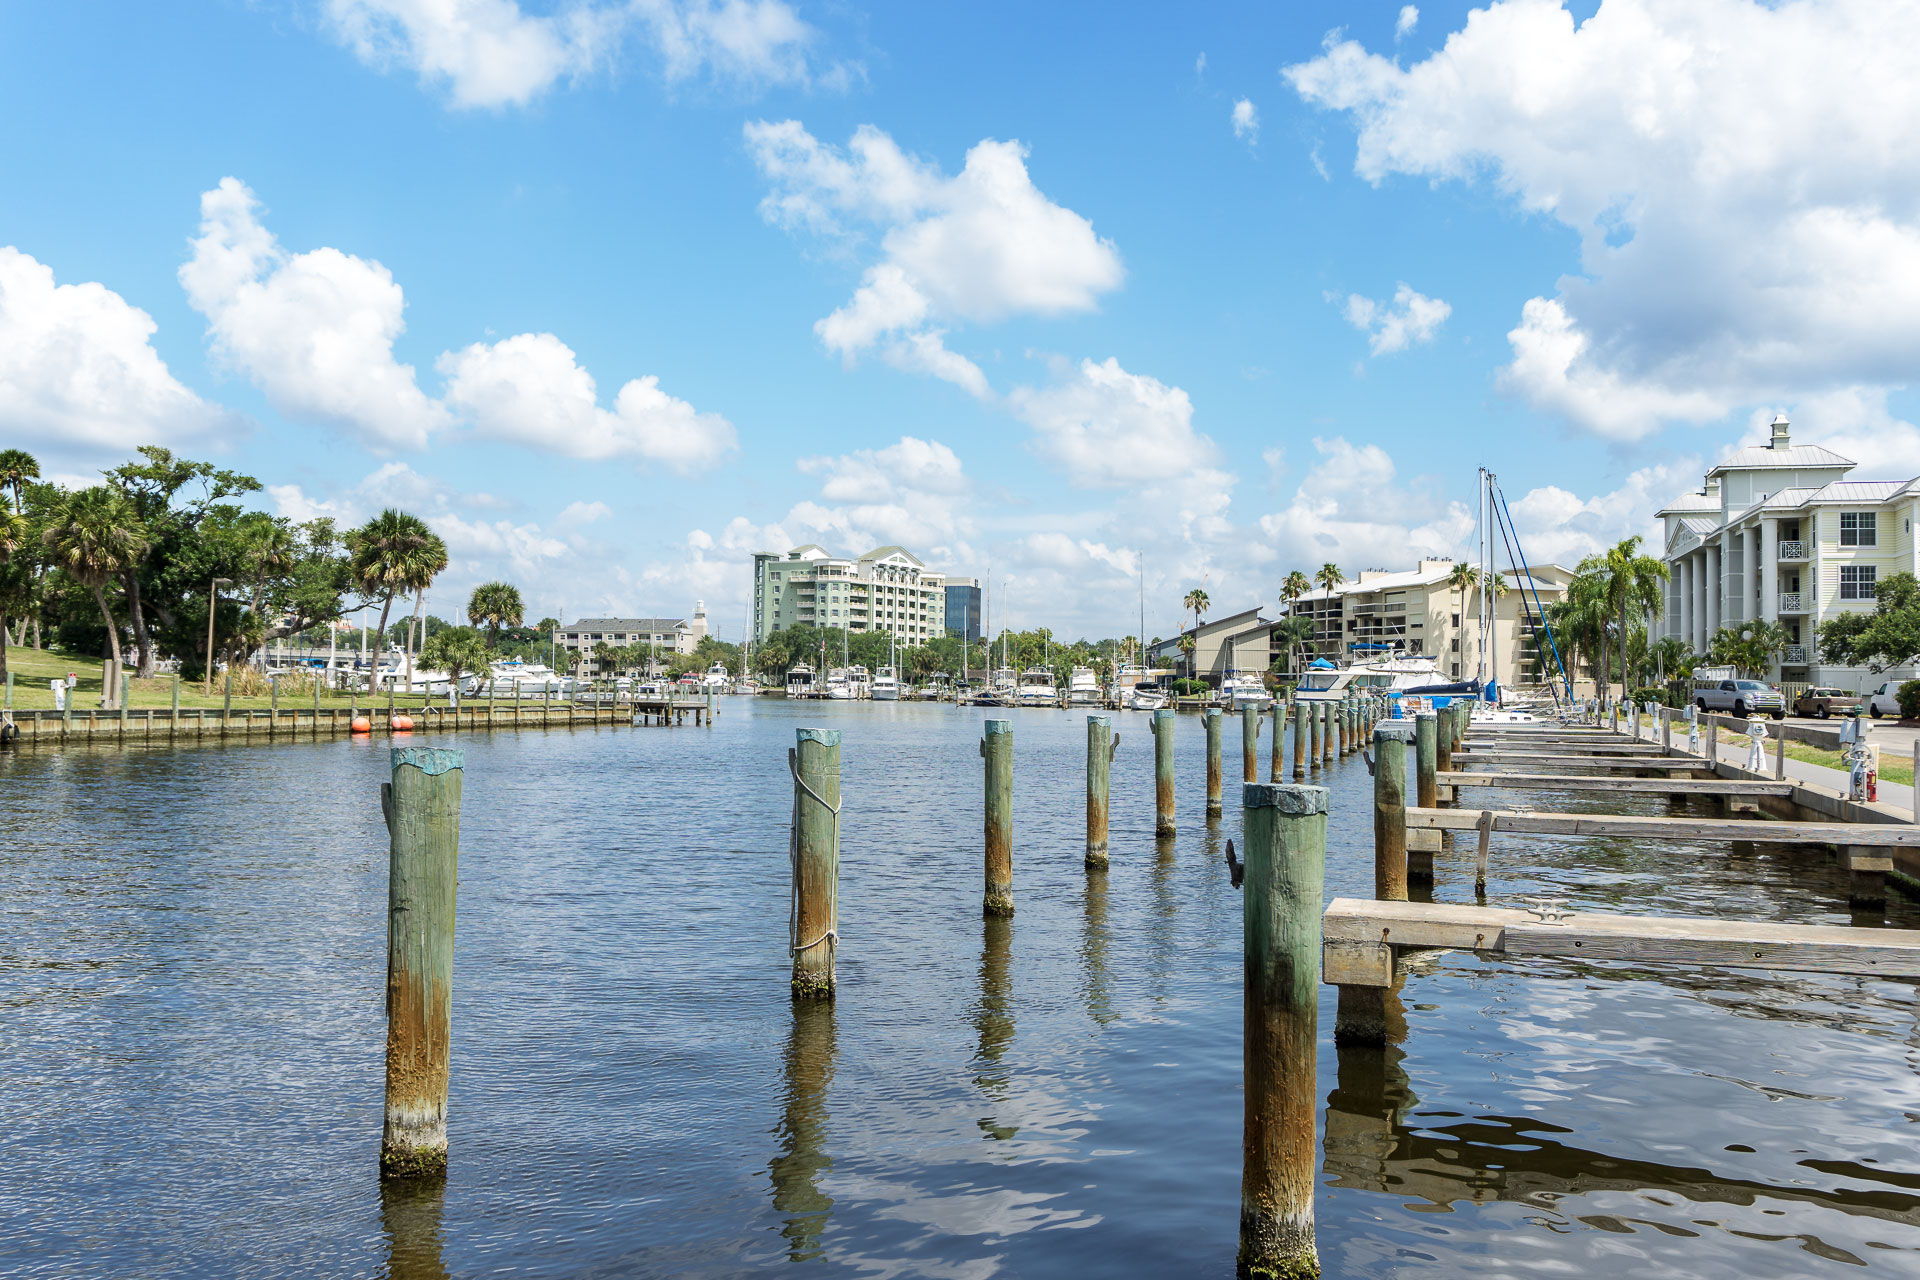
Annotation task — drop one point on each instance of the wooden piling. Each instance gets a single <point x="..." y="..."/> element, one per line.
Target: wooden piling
<point x="996" y="748"/>
<point x="1249" y="743"/>
<point x="1102" y="742"/>
<point x="1213" y="718"/>
<point x="1302" y="737"/>
<point x="1390" y="810"/>
<point x="422" y="809"/>
<point x="1426" y="737"/>
<point x="1286" y="837"/>
<point x="1326" y="733"/>
<point x="226" y="702"/>
<point x="1315" y="727"/>
<point x="814" y="928"/>
<point x="1279" y="735"/>
<point x="1443" y="738"/>
<point x="1163" y="773"/>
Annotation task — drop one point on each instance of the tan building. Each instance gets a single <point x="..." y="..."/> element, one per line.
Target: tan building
<point x="1418" y="611"/>
<point x="1236" y="644"/>
<point x="665" y="637"/>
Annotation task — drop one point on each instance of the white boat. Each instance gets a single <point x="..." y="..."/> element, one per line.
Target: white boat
<point x="746" y="685"/>
<point x="509" y="678"/>
<point x="717" y="678"/>
<point x="885" y="687"/>
<point x="1083" y="688"/>
<point x="1147" y="697"/>
<point x="800" y="682"/>
<point x="839" y="688"/>
<point x="1036" y="689"/>
<point x="859" y="681"/>
<point x="1245" y="691"/>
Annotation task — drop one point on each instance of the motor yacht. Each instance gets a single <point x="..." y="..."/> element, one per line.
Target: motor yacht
<point x="1083" y="688"/>
<point x="1036" y="689"/>
<point x="885" y="686"/>
<point x="1238" y="691"/>
<point x="800" y="682"/>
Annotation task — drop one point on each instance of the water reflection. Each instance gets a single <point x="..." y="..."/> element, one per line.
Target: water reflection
<point x="1096" y="978"/>
<point x="410" y="1215"/>
<point x="993" y="1019"/>
<point x="804" y="1208"/>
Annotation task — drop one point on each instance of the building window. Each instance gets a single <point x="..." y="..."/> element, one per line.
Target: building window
<point x="1857" y="529"/>
<point x="1857" y="581"/>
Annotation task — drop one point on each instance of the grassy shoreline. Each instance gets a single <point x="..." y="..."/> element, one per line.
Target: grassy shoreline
<point x="33" y="668"/>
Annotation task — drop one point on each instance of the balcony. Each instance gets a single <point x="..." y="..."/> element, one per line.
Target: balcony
<point x="1793" y="602"/>
<point x="1793" y="655"/>
<point x="1793" y="551"/>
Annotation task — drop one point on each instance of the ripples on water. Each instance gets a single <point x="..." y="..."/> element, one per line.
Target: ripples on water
<point x="192" y="952"/>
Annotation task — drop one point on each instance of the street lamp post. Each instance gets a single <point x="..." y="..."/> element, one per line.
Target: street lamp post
<point x="212" y="587"/>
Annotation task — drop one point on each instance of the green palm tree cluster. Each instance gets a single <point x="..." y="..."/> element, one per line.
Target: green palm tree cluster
<point x="1605" y="618"/>
<point x="458" y="651"/>
<point x="495" y="605"/>
<point x="95" y="536"/>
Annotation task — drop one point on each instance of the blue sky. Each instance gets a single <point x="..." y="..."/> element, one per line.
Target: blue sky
<point x="617" y="292"/>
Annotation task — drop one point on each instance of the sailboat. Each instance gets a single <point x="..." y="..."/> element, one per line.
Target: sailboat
<point x="886" y="681"/>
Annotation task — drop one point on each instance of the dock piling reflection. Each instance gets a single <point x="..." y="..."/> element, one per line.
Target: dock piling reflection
<point x="796" y="1171"/>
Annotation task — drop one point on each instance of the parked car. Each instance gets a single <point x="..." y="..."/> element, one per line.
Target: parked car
<point x="1741" y="697"/>
<point x="1885" y="701"/>
<point x="1822" y="701"/>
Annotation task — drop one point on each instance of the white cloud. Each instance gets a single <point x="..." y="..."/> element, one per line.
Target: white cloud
<point x="78" y="374"/>
<point x="491" y="53"/>
<point x="1741" y="177"/>
<point x="1410" y="319"/>
<point x="979" y="247"/>
<point x="1855" y="423"/>
<point x="530" y="390"/>
<point x="1246" y="121"/>
<point x="575" y="514"/>
<point x="314" y="331"/>
<point x="1107" y="428"/>
<point x="1409" y="18"/>
<point x="1556" y="525"/>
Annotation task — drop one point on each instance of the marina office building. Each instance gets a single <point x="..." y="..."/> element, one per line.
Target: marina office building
<point x="1777" y="533"/>
<point x="1418" y="611"/>
<point x="665" y="636"/>
<point x="887" y="590"/>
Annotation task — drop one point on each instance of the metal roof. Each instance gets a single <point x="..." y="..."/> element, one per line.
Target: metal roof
<point x="1759" y="456"/>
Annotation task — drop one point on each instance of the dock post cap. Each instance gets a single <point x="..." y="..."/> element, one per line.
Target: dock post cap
<point x="999" y="726"/>
<point x="1213" y="711"/>
<point x="1099" y="719"/>
<point x="1394" y="730"/>
<point x="825" y="737"/>
<point x="1425" y="715"/>
<point x="431" y="761"/>
<point x="1289" y="798"/>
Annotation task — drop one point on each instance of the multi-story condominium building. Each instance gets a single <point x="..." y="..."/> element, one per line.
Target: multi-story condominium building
<point x="886" y="590"/>
<point x="1778" y="534"/>
<point x="963" y="608"/>
<point x="664" y="637"/>
<point x="1419" y="611"/>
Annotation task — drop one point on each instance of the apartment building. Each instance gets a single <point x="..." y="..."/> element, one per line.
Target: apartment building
<point x="665" y="637"/>
<point x="887" y="590"/>
<point x="1419" y="611"/>
<point x="1778" y="533"/>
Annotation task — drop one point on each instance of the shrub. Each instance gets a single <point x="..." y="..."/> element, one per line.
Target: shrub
<point x="1651" y="693"/>
<point x="1186" y="688"/>
<point x="1909" y="696"/>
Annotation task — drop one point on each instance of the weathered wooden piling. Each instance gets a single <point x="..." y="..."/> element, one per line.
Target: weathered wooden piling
<point x="1315" y="726"/>
<point x="1326" y="733"/>
<point x="1102" y="741"/>
<point x="422" y="810"/>
<point x="1426" y="737"/>
<point x="996" y="748"/>
<point x="1279" y="734"/>
<point x="1390" y="810"/>
<point x="1302" y="738"/>
<point x="813" y="932"/>
<point x="1163" y="772"/>
<point x="1249" y="743"/>
<point x="1212" y="718"/>
<point x="1286" y="836"/>
<point x="1443" y="739"/>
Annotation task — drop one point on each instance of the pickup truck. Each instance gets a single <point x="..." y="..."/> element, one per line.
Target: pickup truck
<point x="1824" y="701"/>
<point x="1740" y="697"/>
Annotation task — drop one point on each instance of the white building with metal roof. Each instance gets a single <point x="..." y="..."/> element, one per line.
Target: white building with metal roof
<point x="1777" y="533"/>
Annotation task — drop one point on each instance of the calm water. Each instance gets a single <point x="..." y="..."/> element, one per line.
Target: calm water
<point x="192" y="956"/>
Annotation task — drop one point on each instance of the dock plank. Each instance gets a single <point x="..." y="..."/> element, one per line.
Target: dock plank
<point x="1634" y="786"/>
<point x="1640" y="826"/>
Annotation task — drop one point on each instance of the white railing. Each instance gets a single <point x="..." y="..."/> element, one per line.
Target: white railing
<point x="1793" y="602"/>
<point x="1793" y="655"/>
<point x="1793" y="551"/>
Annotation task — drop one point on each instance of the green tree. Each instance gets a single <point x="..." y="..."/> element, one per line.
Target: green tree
<point x="384" y="556"/>
<point x="17" y="466"/>
<point x="1329" y="576"/>
<point x="1296" y="585"/>
<point x="95" y="537"/>
<point x="1887" y="637"/>
<point x="1748" y="647"/>
<point x="427" y="561"/>
<point x="457" y="651"/>
<point x="1629" y="580"/>
<point x="14" y="535"/>
<point x="1296" y="633"/>
<point x="495" y="605"/>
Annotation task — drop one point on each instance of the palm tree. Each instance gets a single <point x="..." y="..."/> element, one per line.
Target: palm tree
<point x="13" y="536"/>
<point x="457" y="651"/>
<point x="381" y="554"/>
<point x="1296" y="585"/>
<point x="1329" y="576"/>
<point x="1462" y="578"/>
<point x="423" y="566"/>
<point x="1296" y="632"/>
<point x="1672" y="654"/>
<point x="1630" y="579"/>
<point x="95" y="536"/>
<point x="496" y="604"/>
<point x="17" y="466"/>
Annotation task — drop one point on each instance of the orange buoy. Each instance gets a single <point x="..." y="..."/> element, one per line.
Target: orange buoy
<point x="401" y="724"/>
<point x="361" y="725"/>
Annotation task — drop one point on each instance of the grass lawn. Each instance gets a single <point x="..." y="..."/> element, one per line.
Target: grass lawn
<point x="1893" y="768"/>
<point x="33" y="668"/>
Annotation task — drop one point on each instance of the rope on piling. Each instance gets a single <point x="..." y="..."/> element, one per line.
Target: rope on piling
<point x="832" y="935"/>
